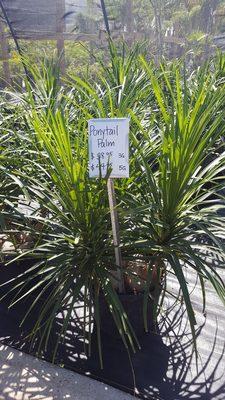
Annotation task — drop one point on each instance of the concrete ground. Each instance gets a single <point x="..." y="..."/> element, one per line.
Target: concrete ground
<point x="23" y="377"/>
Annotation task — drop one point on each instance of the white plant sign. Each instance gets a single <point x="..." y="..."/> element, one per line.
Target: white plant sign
<point x="109" y="147"/>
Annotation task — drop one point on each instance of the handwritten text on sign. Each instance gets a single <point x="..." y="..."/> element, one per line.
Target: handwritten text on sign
<point x="109" y="147"/>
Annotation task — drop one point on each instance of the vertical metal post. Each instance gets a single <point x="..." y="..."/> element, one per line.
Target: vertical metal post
<point x="116" y="233"/>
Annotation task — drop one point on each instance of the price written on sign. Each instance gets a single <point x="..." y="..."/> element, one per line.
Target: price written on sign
<point x="109" y="147"/>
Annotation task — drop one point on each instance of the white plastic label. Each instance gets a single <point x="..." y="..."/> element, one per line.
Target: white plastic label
<point x="109" y="147"/>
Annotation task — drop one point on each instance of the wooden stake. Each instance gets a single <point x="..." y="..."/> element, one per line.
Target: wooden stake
<point x="116" y="233"/>
<point x="5" y="54"/>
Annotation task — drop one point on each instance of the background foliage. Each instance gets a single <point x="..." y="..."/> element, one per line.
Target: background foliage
<point x="170" y="28"/>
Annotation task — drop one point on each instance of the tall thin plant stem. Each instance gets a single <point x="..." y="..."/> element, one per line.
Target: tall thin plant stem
<point x="106" y="20"/>
<point x="12" y="31"/>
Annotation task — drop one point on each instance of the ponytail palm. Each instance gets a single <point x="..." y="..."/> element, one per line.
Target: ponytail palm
<point x="70" y="226"/>
<point x="176" y="221"/>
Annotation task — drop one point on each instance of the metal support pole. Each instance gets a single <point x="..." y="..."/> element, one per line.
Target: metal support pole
<point x="116" y="233"/>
